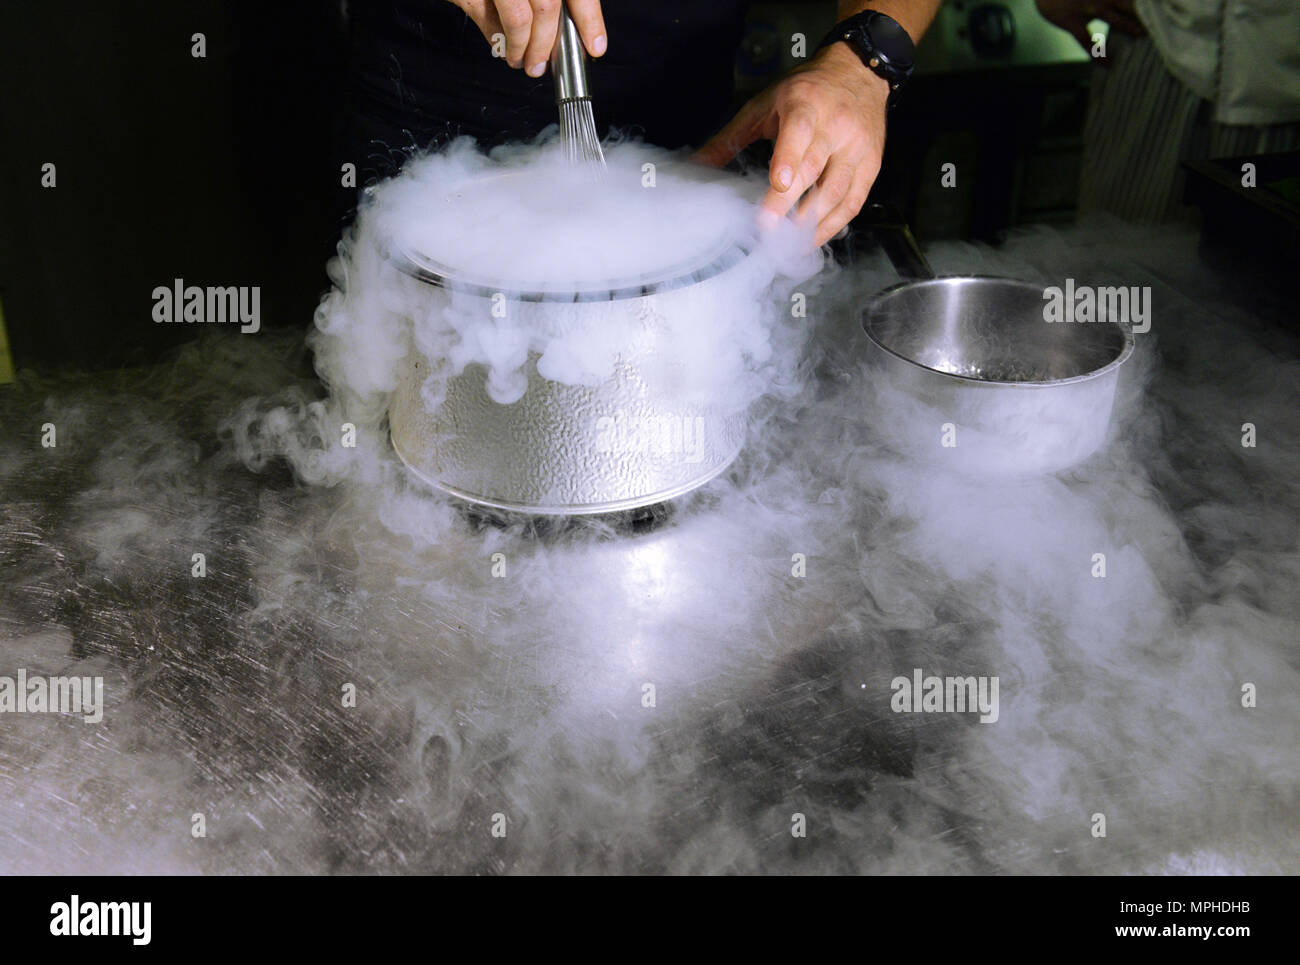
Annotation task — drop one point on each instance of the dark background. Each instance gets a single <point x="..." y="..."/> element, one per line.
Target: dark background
<point x="225" y="170"/>
<point x="219" y="170"/>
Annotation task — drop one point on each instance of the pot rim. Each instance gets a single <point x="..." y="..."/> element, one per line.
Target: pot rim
<point x="431" y="272"/>
<point x="1125" y="351"/>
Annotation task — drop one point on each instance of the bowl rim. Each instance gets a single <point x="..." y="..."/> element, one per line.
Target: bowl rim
<point x="881" y="296"/>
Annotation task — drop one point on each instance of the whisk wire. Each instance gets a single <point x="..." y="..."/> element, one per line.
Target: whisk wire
<point x="578" y="133"/>
<point x="578" y="138"/>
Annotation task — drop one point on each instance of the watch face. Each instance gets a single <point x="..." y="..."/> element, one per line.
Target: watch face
<point x="885" y="35"/>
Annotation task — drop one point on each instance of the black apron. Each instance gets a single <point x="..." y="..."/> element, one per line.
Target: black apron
<point x="422" y="74"/>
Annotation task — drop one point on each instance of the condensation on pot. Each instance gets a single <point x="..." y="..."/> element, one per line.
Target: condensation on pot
<point x="555" y="346"/>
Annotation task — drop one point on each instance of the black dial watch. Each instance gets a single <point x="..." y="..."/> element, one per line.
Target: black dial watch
<point x="881" y="42"/>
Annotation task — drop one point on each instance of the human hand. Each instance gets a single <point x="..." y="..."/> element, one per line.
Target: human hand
<point x="828" y="121"/>
<point x="530" y="28"/>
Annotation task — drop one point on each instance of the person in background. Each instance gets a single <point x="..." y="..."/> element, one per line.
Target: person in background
<point x="424" y="71"/>
<point x="1186" y="80"/>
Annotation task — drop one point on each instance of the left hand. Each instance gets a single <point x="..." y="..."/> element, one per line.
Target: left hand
<point x="828" y="121"/>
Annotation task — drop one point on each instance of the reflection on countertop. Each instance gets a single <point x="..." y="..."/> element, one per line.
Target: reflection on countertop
<point x="676" y="698"/>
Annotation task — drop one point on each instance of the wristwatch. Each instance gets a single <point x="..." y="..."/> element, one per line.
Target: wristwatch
<point x="881" y="42"/>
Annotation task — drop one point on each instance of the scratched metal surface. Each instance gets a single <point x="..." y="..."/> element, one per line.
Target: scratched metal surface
<point x="521" y="695"/>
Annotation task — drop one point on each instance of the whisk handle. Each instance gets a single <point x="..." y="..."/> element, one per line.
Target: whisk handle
<point x="569" y="61"/>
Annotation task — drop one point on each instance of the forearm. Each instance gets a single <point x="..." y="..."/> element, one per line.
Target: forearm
<point x="913" y="15"/>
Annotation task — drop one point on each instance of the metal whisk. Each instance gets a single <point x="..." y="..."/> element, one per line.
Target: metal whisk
<point x="577" y="125"/>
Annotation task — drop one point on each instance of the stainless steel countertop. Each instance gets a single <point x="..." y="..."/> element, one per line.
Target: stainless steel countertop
<point x="523" y="694"/>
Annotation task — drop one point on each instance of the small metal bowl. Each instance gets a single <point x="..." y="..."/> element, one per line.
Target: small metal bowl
<point x="991" y="330"/>
<point x="973" y="377"/>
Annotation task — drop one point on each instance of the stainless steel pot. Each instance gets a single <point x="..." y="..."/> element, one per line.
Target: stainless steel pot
<point x="971" y="377"/>
<point x="647" y="433"/>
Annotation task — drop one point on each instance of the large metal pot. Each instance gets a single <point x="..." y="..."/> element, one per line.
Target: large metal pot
<point x="657" y="427"/>
<point x="970" y="376"/>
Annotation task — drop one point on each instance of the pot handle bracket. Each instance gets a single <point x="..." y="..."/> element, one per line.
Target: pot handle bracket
<point x="892" y="233"/>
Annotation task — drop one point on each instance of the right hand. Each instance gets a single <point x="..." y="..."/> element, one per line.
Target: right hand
<point x="530" y="28"/>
